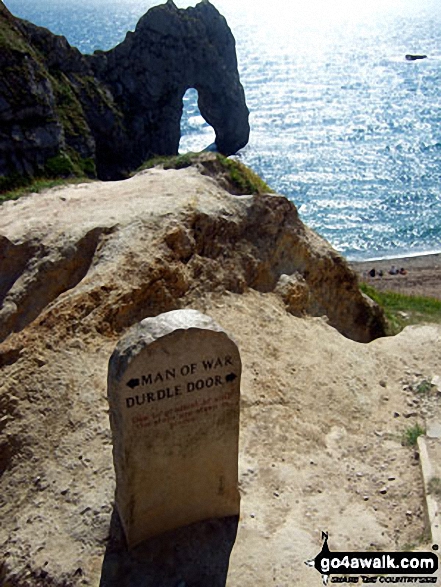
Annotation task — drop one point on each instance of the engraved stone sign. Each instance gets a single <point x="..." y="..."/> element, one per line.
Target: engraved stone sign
<point x="174" y="390"/>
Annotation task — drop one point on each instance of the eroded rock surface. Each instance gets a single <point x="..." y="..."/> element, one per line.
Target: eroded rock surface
<point x="147" y="244"/>
<point x="104" y="114"/>
<point x="321" y="415"/>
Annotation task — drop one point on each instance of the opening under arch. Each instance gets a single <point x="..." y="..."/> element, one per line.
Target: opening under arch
<point x="196" y="133"/>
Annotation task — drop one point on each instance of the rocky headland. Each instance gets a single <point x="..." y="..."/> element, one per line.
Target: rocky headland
<point x="325" y="398"/>
<point x="102" y="115"/>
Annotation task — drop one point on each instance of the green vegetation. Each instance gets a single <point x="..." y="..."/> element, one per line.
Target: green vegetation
<point x="87" y="167"/>
<point x="244" y="178"/>
<point x="64" y="168"/>
<point x="434" y="486"/>
<point x="17" y="77"/>
<point x="69" y="165"/>
<point x="12" y="182"/>
<point x="10" y="38"/>
<point x="421" y="540"/>
<point x="401" y="310"/>
<point x="68" y="107"/>
<point x="172" y="162"/>
<point x="411" y="434"/>
<point x="240" y="178"/>
<point x="425" y="387"/>
<point x="59" y="166"/>
<point x="38" y="185"/>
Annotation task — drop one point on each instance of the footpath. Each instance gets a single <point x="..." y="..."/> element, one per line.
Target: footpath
<point x="429" y="447"/>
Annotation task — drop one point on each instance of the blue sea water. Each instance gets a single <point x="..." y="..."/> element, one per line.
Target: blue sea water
<point x="341" y="123"/>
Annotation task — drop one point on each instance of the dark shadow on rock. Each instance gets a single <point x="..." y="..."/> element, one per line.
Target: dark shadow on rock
<point x="194" y="556"/>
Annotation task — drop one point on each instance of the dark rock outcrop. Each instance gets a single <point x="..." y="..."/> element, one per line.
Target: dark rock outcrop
<point x="104" y="114"/>
<point x="415" y="57"/>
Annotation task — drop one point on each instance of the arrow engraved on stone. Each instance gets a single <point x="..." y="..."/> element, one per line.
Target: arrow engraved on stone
<point x="133" y="383"/>
<point x="230" y="377"/>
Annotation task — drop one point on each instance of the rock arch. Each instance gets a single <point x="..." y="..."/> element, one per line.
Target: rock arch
<point x="148" y="74"/>
<point x="114" y="109"/>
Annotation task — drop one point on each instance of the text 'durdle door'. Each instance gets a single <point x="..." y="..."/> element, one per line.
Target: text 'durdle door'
<point x="174" y="391"/>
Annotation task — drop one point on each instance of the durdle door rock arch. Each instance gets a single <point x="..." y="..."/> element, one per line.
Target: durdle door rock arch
<point x="171" y="51"/>
<point x="108" y="112"/>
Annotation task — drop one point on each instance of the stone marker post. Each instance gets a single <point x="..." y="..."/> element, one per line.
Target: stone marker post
<point x="174" y="390"/>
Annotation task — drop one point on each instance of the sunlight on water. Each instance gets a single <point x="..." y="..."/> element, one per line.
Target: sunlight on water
<point x="196" y="133"/>
<point x="341" y="123"/>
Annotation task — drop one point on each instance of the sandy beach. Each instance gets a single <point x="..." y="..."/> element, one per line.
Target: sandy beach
<point x="422" y="275"/>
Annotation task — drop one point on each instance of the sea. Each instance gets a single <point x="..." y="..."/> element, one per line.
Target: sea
<point x="341" y="123"/>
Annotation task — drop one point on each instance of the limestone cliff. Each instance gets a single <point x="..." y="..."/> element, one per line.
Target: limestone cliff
<point x="104" y="114"/>
<point x="321" y="415"/>
<point x="161" y="237"/>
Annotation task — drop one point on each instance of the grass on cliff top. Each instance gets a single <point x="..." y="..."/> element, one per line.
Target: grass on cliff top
<point x="170" y="162"/>
<point x="58" y="170"/>
<point x="39" y="185"/>
<point x="402" y="310"/>
<point x="241" y="179"/>
<point x="10" y="37"/>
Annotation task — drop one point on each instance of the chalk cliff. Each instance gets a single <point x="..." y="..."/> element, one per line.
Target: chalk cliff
<point x="204" y="238"/>
<point x="321" y="414"/>
<point x="62" y="112"/>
